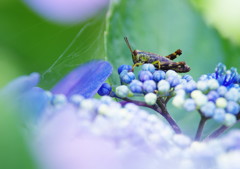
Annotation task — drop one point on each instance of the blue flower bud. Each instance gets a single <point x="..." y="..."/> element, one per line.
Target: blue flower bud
<point x="173" y="81"/>
<point x="219" y="115"/>
<point x="105" y="89"/>
<point x="148" y="67"/>
<point x="158" y="75"/>
<point x="212" y="96"/>
<point x="127" y="77"/>
<point x="190" y="86"/>
<point x="222" y="90"/>
<point x="163" y="86"/>
<point x="145" y="75"/>
<point x="189" y="105"/>
<point x="232" y="94"/>
<point x="122" y="91"/>
<point x="208" y="109"/>
<point x="124" y="67"/>
<point x="136" y="86"/>
<point x="187" y="78"/>
<point x="149" y="86"/>
<point x="232" y="108"/>
<point x="203" y="77"/>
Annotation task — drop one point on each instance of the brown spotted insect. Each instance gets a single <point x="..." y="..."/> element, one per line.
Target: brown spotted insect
<point x="140" y="57"/>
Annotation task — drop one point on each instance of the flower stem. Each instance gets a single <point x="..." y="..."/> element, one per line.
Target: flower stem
<point x="159" y="107"/>
<point x="200" y="128"/>
<point x="217" y="132"/>
<point x="168" y="117"/>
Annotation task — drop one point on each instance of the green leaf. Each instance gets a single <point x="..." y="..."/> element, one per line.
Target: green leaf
<point x="30" y="43"/>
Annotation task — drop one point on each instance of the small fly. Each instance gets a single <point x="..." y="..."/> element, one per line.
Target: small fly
<point x="140" y="57"/>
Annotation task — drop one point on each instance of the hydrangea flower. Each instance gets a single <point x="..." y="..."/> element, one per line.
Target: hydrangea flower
<point x="67" y="11"/>
<point x="76" y="131"/>
<point x="103" y="134"/>
<point x="215" y="95"/>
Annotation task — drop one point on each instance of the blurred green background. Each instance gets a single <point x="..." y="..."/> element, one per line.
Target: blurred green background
<point x="208" y="32"/>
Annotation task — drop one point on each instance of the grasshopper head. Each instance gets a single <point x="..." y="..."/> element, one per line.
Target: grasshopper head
<point x="182" y="68"/>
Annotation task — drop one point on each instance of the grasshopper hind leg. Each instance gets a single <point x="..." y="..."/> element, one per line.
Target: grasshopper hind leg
<point x="174" y="55"/>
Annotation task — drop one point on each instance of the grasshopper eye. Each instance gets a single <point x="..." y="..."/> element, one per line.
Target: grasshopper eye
<point x="135" y="53"/>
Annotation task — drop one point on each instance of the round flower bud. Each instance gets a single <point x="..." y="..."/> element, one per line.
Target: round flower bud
<point x="150" y="98"/>
<point x="232" y="94"/>
<point x="208" y="109"/>
<point x="212" y="96"/>
<point x="219" y="115"/>
<point x="173" y="81"/>
<point x="149" y="86"/>
<point x="76" y="99"/>
<point x="158" y="75"/>
<point x="105" y="89"/>
<point x="200" y="100"/>
<point x="221" y="102"/>
<point x="213" y="84"/>
<point x="59" y="99"/>
<point x="187" y="78"/>
<point x="203" y="77"/>
<point x="106" y="99"/>
<point x="127" y="77"/>
<point x="136" y="86"/>
<point x="148" y="67"/>
<point x="202" y="85"/>
<point x="49" y="95"/>
<point x="190" y="86"/>
<point x="87" y="104"/>
<point x="180" y="92"/>
<point x="145" y="75"/>
<point x="222" y="90"/>
<point x="170" y="73"/>
<point x="189" y="105"/>
<point x="163" y="86"/>
<point x="232" y="108"/>
<point x="230" y="120"/>
<point x="122" y="91"/>
<point x="178" y="101"/>
<point x="124" y="67"/>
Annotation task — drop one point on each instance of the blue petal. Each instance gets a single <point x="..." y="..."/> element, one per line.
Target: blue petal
<point x="33" y="102"/>
<point x="84" y="80"/>
<point x="20" y="85"/>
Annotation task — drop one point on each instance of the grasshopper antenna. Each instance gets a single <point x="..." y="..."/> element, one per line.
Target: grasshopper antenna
<point x="128" y="44"/>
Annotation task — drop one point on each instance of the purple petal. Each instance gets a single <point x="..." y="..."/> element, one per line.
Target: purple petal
<point x="67" y="11"/>
<point x="84" y="80"/>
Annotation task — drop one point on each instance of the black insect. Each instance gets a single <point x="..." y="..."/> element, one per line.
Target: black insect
<point x="140" y="57"/>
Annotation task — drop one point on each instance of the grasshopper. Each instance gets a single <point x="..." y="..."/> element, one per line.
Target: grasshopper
<point x="140" y="57"/>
